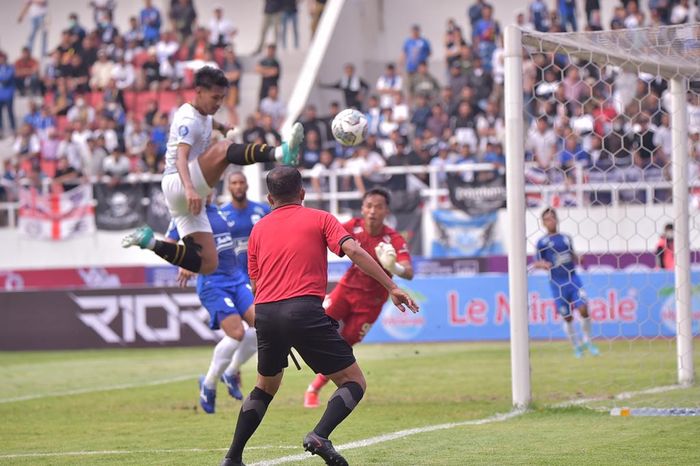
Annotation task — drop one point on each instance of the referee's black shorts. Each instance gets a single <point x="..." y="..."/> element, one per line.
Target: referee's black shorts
<point x="300" y="323"/>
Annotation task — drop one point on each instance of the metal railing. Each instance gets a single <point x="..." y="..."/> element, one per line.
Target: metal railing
<point x="433" y="193"/>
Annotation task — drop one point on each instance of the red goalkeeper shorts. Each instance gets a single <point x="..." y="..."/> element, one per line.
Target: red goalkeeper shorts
<point x="355" y="311"/>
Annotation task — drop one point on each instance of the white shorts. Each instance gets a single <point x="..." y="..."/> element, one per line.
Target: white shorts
<point x="174" y="193"/>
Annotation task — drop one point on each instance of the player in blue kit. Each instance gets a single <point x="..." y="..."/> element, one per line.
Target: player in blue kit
<point x="242" y="215"/>
<point x="226" y="294"/>
<point x="555" y="253"/>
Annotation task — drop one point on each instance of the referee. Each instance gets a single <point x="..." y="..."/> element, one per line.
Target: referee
<point x="288" y="272"/>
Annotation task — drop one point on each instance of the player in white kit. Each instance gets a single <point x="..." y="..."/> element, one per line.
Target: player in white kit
<point x="193" y="167"/>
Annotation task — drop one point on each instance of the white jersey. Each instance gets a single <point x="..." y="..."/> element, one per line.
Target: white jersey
<point x="188" y="127"/>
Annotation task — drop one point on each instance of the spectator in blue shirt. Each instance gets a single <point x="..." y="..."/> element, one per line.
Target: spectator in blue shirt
<point x="421" y="114"/>
<point x="7" y="93"/>
<point x="567" y="15"/>
<point x="485" y="36"/>
<point x="494" y="154"/>
<point x="416" y="50"/>
<point x="474" y="12"/>
<point x="573" y="154"/>
<point x="75" y="28"/>
<point x="150" y="23"/>
<point x="539" y="15"/>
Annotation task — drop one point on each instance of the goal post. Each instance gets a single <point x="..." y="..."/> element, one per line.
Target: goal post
<point x="670" y="53"/>
<point x="684" y="318"/>
<point x="515" y="202"/>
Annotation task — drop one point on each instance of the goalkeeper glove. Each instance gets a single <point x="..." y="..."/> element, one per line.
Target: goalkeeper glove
<point x="387" y="258"/>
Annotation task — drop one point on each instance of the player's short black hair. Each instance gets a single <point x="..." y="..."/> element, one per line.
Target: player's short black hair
<point x="378" y="192"/>
<point x="284" y="183"/>
<point x="549" y="210"/>
<point x="669" y="226"/>
<point x="208" y="77"/>
<point x="236" y="172"/>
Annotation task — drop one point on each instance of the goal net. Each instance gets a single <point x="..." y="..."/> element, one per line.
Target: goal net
<point x="603" y="151"/>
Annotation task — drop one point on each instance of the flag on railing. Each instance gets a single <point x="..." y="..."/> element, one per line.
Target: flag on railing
<point x="56" y="216"/>
<point x="119" y="207"/>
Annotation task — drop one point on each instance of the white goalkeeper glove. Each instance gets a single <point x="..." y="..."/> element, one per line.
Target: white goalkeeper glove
<point x="387" y="258"/>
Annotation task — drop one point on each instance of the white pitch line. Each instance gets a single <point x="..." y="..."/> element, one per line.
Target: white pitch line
<point x="82" y="391"/>
<point x="495" y="418"/>
<point x="346" y="446"/>
<point x="397" y="435"/>
<point x="135" y="452"/>
<point x="619" y="396"/>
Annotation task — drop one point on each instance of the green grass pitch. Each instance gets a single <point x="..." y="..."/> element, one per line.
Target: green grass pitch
<point x="59" y="407"/>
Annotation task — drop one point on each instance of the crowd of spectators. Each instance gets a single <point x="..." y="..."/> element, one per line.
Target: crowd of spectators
<point x="585" y="123"/>
<point x="103" y="98"/>
<point x="100" y="102"/>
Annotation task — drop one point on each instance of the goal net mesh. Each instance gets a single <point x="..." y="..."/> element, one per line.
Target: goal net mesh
<point x="598" y="150"/>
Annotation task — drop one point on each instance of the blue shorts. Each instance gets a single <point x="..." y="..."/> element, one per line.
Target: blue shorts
<point x="223" y="301"/>
<point x="568" y="296"/>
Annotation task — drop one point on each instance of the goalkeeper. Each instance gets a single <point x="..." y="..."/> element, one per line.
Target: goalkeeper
<point x="357" y="300"/>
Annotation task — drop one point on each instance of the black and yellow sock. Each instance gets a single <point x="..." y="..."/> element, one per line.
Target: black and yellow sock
<point x="184" y="255"/>
<point x="248" y="154"/>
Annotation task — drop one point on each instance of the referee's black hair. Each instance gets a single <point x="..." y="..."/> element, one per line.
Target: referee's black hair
<point x="284" y="183"/>
<point x="378" y="192"/>
<point x="208" y="77"/>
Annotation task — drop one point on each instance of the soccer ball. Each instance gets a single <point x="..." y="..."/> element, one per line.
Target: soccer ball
<point x="349" y="127"/>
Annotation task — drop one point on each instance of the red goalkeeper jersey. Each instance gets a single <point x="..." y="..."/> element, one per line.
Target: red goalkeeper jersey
<point x="355" y="279"/>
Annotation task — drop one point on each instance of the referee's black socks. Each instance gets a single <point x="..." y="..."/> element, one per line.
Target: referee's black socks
<point x="340" y="405"/>
<point x="248" y="154"/>
<point x="252" y="412"/>
<point x="184" y="255"/>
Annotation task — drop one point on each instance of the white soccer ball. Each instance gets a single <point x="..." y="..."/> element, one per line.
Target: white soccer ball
<point x="349" y="127"/>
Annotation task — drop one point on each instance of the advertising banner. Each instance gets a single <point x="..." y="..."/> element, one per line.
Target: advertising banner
<point x="470" y="308"/>
<point x="119" y="317"/>
<point x="477" y="308"/>
<point x="81" y="277"/>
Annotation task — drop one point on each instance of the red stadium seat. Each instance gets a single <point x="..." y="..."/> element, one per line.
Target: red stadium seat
<point x="61" y="123"/>
<point x="140" y="59"/>
<point x="48" y="167"/>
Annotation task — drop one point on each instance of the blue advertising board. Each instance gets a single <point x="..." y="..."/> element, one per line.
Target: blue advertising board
<point x="621" y="304"/>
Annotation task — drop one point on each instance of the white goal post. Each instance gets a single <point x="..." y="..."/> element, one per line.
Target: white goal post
<point x="649" y="50"/>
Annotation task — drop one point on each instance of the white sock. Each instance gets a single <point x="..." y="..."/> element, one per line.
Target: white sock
<point x="586" y="329"/>
<point x="249" y="346"/>
<point x="223" y="352"/>
<point x="570" y="332"/>
<point x="151" y="244"/>
<point x="279" y="155"/>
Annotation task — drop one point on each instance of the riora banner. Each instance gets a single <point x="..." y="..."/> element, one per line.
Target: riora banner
<point x="119" y="317"/>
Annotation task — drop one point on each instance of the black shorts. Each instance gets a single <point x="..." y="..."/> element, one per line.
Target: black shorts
<point x="300" y="323"/>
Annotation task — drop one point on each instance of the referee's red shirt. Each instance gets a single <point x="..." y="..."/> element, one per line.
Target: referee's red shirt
<point x="287" y="255"/>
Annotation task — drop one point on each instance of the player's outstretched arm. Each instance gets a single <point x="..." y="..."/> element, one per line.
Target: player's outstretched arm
<point x="541" y="264"/>
<point x="364" y="261"/>
<point x="386" y="253"/>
